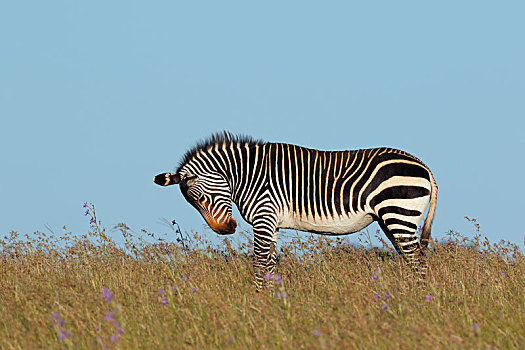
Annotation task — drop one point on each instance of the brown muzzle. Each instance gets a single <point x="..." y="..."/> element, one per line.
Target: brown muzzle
<point x="224" y="228"/>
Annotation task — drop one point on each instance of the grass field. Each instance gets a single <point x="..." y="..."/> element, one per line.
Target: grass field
<point x="87" y="291"/>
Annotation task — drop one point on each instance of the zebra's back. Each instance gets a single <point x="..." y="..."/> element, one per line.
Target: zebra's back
<point x="342" y="191"/>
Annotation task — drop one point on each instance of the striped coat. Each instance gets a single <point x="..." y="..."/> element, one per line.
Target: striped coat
<point x="277" y="185"/>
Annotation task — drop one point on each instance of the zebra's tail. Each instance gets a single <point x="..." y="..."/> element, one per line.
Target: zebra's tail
<point x="425" y="233"/>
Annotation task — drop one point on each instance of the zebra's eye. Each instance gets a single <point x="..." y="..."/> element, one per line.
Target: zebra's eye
<point x="201" y="199"/>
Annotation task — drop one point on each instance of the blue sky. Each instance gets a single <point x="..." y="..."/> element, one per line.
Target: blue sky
<point x="98" y="97"/>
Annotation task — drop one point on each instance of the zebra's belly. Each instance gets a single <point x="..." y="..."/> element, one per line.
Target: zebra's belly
<point x="338" y="225"/>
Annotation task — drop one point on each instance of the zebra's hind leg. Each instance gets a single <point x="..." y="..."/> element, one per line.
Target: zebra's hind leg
<point x="403" y="236"/>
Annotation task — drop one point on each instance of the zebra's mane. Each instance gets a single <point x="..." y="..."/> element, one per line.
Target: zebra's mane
<point x="219" y="138"/>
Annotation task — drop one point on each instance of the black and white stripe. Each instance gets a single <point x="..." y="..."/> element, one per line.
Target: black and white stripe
<point x="278" y="185"/>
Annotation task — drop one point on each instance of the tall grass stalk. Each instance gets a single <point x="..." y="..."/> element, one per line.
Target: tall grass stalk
<point x="89" y="292"/>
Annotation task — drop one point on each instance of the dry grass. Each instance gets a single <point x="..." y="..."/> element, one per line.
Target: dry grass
<point x="89" y="292"/>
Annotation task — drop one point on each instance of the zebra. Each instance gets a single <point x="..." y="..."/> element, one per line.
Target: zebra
<point x="279" y="185"/>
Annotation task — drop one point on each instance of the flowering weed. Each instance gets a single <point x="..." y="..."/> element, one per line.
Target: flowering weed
<point x="147" y="292"/>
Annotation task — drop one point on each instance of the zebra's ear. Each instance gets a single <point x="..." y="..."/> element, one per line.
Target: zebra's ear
<point x="167" y="179"/>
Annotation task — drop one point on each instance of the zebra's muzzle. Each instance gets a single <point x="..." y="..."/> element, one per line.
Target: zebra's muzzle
<point x="226" y="228"/>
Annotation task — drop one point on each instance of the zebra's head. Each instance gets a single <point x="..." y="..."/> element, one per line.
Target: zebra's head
<point x="209" y="193"/>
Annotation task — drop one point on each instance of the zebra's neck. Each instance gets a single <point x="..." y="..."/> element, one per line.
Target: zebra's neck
<point x="247" y="176"/>
<point x="243" y="166"/>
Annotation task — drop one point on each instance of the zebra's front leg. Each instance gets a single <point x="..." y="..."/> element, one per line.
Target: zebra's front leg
<point x="264" y="243"/>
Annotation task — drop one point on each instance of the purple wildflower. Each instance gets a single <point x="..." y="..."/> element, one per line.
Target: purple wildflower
<point x="285" y="295"/>
<point x="92" y="221"/>
<point x="164" y="301"/>
<point x="317" y="332"/>
<point x="376" y="296"/>
<point x="503" y="273"/>
<point x="374" y="277"/>
<point x="86" y="213"/>
<point x="161" y="290"/>
<point x="85" y="205"/>
<point x="106" y="294"/>
<point x="384" y="307"/>
<point x="277" y="295"/>
<point x="268" y="276"/>
<point x="109" y="316"/>
<point x="476" y="327"/>
<point x="114" y="338"/>
<point x="64" y="334"/>
<point x="387" y="295"/>
<point x="59" y="321"/>
<point x="278" y="280"/>
<point x="378" y="270"/>
<point x="428" y="298"/>
<point x="184" y="278"/>
<point x="120" y="331"/>
<point x="377" y="231"/>
<point x="193" y="290"/>
<point x="174" y="287"/>
<point x="3" y="255"/>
